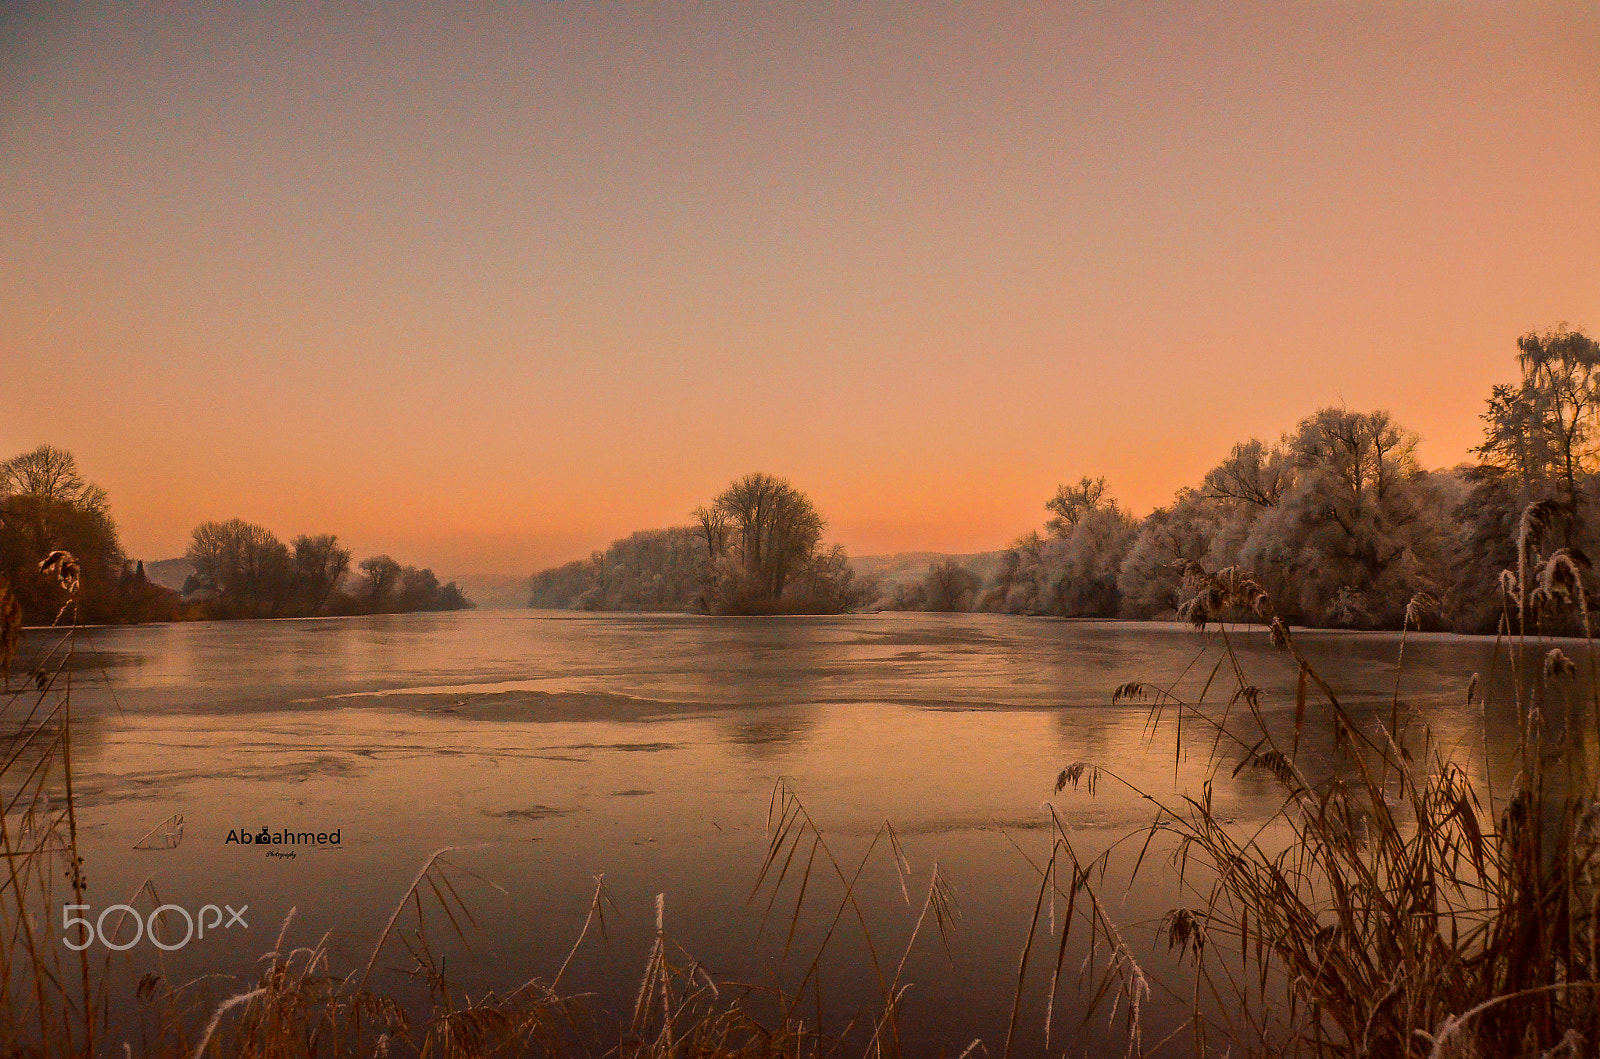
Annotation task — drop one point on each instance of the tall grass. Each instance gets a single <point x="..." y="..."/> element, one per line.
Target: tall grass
<point x="46" y="992"/>
<point x="1394" y="905"/>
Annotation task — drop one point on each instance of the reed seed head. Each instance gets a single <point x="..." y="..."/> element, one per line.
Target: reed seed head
<point x="65" y="566"/>
<point x="1557" y="664"/>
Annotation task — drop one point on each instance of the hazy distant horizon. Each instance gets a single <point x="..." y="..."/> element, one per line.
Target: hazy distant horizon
<point x="487" y="290"/>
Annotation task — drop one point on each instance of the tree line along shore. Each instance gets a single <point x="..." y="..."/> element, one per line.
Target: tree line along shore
<point x="1336" y="519"/>
<point x="237" y="569"/>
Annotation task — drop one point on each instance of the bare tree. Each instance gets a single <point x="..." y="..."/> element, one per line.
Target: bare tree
<point x="42" y="485"/>
<point x="775" y="530"/>
<point x="45" y="505"/>
<point x="713" y="522"/>
<point x="383" y="573"/>
<point x="949" y="586"/>
<point x="50" y="474"/>
<point x="245" y="562"/>
<point x="319" y="565"/>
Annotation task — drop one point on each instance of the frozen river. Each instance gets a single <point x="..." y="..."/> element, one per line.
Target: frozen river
<point x="554" y="748"/>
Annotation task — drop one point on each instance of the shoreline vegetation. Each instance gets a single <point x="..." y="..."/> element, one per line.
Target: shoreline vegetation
<point x="235" y="569"/>
<point x="754" y="549"/>
<point x="1338" y="520"/>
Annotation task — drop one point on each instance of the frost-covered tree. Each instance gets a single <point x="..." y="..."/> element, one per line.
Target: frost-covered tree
<point x="1150" y="580"/>
<point x="1017" y="583"/>
<point x="662" y="569"/>
<point x="756" y="548"/>
<point x="1087" y="562"/>
<point x="1073" y="502"/>
<point x="1207" y="525"/>
<point x="1540" y="438"/>
<point x="1074" y="570"/>
<point x="828" y="584"/>
<point x="1543" y="430"/>
<point x="1359" y="531"/>
<point x="1254" y="473"/>
<point x="1336" y="521"/>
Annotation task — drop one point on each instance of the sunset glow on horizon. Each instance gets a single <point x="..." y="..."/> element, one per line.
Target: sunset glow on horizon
<point x="487" y="290"/>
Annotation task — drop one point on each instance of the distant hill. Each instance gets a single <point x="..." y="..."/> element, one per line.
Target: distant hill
<point x="908" y="567"/>
<point x="169" y="573"/>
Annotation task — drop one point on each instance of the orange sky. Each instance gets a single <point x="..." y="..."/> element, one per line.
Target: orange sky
<point x="486" y="290"/>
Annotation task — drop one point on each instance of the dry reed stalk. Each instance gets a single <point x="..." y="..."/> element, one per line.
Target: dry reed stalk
<point x="36" y="1000"/>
